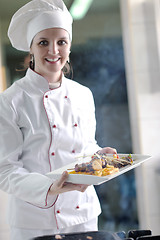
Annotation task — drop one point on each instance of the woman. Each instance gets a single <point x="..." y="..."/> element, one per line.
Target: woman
<point x="46" y="120"/>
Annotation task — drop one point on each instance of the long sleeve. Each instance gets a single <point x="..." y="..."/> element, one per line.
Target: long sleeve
<point x="14" y="178"/>
<point x="91" y="144"/>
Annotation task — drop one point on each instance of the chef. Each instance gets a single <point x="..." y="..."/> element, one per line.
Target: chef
<point x="46" y="120"/>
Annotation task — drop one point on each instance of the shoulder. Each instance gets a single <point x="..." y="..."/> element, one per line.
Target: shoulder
<point x="79" y="94"/>
<point x="14" y="90"/>
<point x="77" y="87"/>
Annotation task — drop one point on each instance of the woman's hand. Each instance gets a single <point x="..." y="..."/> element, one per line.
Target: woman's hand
<point x="108" y="150"/>
<point x="61" y="186"/>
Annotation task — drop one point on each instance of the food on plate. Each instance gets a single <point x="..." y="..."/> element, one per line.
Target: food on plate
<point x="58" y="236"/>
<point x="102" y="164"/>
<point x="89" y="237"/>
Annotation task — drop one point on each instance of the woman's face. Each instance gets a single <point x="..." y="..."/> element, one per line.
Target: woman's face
<point x="51" y="49"/>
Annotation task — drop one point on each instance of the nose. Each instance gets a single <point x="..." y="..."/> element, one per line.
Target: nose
<point x="53" y="49"/>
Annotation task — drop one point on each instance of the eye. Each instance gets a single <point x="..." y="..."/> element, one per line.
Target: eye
<point x="43" y="43"/>
<point x="62" y="42"/>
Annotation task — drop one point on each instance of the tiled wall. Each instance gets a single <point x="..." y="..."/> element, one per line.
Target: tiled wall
<point x="140" y="24"/>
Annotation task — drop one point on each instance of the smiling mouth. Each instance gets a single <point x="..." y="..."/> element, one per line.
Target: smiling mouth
<point x="52" y="60"/>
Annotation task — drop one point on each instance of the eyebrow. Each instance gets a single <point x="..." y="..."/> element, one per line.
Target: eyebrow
<point x="42" y="38"/>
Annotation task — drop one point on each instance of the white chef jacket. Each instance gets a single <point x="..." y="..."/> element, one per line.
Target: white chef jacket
<point x="42" y="130"/>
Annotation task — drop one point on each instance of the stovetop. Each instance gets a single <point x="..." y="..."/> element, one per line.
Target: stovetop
<point x="104" y="235"/>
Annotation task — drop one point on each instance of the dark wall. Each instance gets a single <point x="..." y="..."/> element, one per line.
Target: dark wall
<point x="99" y="64"/>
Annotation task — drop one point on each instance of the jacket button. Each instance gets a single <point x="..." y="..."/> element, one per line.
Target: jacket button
<point x="52" y="153"/>
<point x="77" y="207"/>
<point x="58" y="211"/>
<point x="66" y="97"/>
<point x="54" y="126"/>
<point x="46" y="96"/>
<point x="75" y="125"/>
<point x="73" y="151"/>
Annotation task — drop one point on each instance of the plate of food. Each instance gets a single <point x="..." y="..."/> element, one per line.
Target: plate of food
<point x="99" y="168"/>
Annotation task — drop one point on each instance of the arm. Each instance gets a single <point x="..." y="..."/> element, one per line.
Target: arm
<point x="92" y="145"/>
<point x="90" y="126"/>
<point x="14" y="178"/>
<point x="61" y="186"/>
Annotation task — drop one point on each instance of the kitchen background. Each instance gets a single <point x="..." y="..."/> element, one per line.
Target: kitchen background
<point x="115" y="52"/>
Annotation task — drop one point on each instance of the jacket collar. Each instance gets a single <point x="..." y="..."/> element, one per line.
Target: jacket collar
<point x="40" y="82"/>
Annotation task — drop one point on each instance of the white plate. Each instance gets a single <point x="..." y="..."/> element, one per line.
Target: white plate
<point x="95" y="180"/>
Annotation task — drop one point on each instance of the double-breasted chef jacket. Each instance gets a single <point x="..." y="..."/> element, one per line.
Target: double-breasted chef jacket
<point x="42" y="130"/>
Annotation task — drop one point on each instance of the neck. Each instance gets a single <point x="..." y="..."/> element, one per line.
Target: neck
<point x="52" y="78"/>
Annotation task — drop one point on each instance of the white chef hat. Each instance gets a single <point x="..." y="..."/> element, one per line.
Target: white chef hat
<point x="35" y="16"/>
